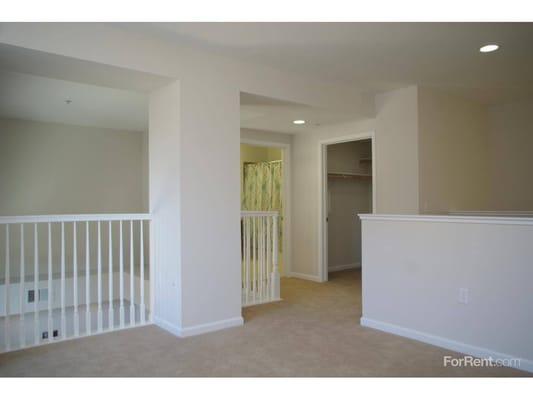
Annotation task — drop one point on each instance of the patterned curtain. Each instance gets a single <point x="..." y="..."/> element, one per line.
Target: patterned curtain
<point x="262" y="188"/>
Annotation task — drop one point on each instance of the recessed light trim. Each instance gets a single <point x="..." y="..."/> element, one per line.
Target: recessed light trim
<point x="298" y="121"/>
<point x="489" y="48"/>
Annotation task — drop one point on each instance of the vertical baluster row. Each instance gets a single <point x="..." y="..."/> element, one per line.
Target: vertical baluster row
<point x="35" y="285"/>
<point x="63" y="278"/>
<point x="141" y="272"/>
<point x="121" y="277"/>
<point x="22" y="283"/>
<point x="75" y="280"/>
<point x="87" y="281"/>
<point x="7" y="292"/>
<point x="132" y="278"/>
<point x="99" y="313"/>
<point x="111" y="316"/>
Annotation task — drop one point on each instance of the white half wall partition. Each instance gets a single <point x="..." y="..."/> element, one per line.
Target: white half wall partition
<point x="464" y="283"/>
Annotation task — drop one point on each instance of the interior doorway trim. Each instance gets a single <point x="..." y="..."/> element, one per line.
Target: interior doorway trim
<point x="322" y="193"/>
<point x="287" y="226"/>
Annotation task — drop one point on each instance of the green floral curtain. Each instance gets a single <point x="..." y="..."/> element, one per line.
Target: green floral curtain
<point x="262" y="188"/>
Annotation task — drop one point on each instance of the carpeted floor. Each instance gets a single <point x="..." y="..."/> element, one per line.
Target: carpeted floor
<point x="314" y="331"/>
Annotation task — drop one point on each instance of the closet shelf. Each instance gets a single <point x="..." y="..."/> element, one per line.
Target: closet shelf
<point x="348" y="175"/>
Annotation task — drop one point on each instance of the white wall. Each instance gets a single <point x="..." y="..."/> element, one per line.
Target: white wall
<point x="48" y="168"/>
<point x="511" y="161"/>
<point x="413" y="271"/>
<point x="265" y="136"/>
<point x="454" y="168"/>
<point x="397" y="151"/>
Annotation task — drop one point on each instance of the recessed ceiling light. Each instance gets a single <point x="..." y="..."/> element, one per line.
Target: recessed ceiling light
<point x="298" y="122"/>
<point x="489" y="48"/>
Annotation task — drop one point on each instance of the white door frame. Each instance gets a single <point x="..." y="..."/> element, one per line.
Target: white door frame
<point x="287" y="226"/>
<point x="322" y="193"/>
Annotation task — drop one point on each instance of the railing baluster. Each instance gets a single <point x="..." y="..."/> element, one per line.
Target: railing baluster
<point x="75" y="279"/>
<point x="22" y="283"/>
<point x="151" y="277"/>
<point x="63" y="332"/>
<point x="275" y="272"/>
<point x="121" y="277"/>
<point x="132" y="279"/>
<point x="111" y="317"/>
<point x="262" y="259"/>
<point x="254" y="260"/>
<point x="7" y="292"/>
<point x="99" y="313"/>
<point x="268" y="258"/>
<point x="141" y="272"/>
<point x="50" y="289"/>
<point x="247" y="259"/>
<point x="35" y="285"/>
<point x="87" y="281"/>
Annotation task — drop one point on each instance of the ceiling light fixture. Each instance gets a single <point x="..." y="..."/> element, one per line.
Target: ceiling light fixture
<point x="298" y="122"/>
<point x="489" y="48"/>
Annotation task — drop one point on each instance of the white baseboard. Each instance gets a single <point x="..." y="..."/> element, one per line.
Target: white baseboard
<point x="305" y="276"/>
<point x="198" y="329"/>
<point x="336" y="268"/>
<point x="439" y="341"/>
<point x="212" y="326"/>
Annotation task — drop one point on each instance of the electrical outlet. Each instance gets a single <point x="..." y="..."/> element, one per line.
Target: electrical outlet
<point x="44" y="335"/>
<point x="463" y="295"/>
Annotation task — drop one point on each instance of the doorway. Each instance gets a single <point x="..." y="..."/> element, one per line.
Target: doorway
<point x="348" y="188"/>
<point x="265" y="172"/>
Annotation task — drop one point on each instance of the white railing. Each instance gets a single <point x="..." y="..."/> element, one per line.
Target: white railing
<point x="259" y="253"/>
<point x="68" y="276"/>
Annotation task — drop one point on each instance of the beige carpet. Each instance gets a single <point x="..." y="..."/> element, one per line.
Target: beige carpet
<point x="315" y="331"/>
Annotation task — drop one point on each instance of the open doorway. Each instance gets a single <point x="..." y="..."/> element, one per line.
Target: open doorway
<point x="263" y="186"/>
<point x="347" y="189"/>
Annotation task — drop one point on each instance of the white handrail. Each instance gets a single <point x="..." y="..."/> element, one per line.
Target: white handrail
<point x="259" y="213"/>
<point x="23" y="219"/>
